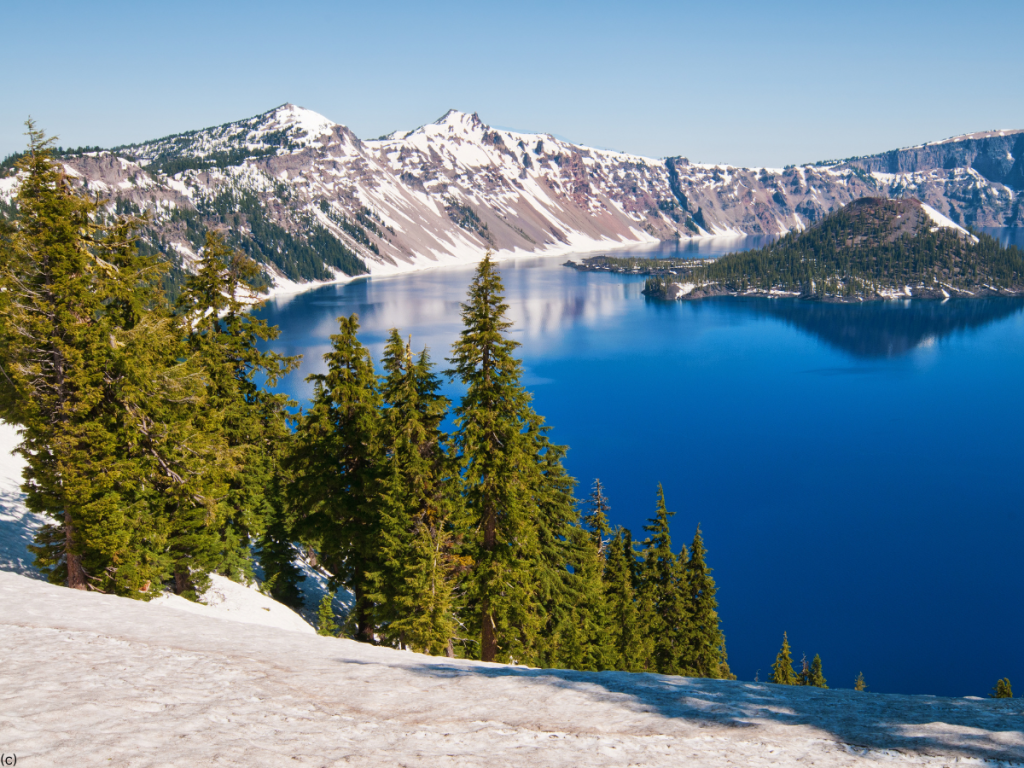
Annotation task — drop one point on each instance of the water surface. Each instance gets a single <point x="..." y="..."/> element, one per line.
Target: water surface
<point x="855" y="468"/>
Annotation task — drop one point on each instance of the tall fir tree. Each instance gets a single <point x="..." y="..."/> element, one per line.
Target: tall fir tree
<point x="782" y="670"/>
<point x="664" y="603"/>
<point x="498" y="462"/>
<point x="704" y="657"/>
<point x="224" y="337"/>
<point x="112" y="417"/>
<point x="596" y="518"/>
<point x="334" y="466"/>
<point x="631" y="649"/>
<point x="422" y="521"/>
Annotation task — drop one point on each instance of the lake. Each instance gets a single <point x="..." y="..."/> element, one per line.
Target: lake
<point x="855" y="469"/>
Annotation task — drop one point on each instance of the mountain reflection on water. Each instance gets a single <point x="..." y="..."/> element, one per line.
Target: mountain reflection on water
<point x="881" y="329"/>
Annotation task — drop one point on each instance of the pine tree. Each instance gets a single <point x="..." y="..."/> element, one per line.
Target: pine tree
<point x="325" y="624"/>
<point x="859" y="684"/>
<point x="664" y="602"/>
<point x="110" y="407"/>
<point x="334" y="467"/>
<point x="1002" y="689"/>
<point x="422" y="525"/>
<point x="782" y="669"/>
<point x="628" y="645"/>
<point x="704" y="657"/>
<point x="498" y="461"/>
<point x="596" y="518"/>
<point x="568" y="604"/>
<point x="817" y="677"/>
<point x="224" y="337"/>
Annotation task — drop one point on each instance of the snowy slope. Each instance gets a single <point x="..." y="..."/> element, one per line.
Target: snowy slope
<point x="94" y="680"/>
<point x="224" y="599"/>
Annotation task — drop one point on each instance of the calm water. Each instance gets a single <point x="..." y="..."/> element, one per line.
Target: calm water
<point x="855" y="469"/>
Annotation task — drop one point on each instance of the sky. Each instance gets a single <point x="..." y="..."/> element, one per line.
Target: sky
<point x="747" y="83"/>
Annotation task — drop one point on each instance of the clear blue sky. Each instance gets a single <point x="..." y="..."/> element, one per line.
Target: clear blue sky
<point x="748" y="83"/>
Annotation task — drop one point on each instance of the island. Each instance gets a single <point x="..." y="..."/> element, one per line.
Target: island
<point x="872" y="249"/>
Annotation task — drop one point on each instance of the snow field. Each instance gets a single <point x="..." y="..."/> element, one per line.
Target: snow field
<point x="97" y="680"/>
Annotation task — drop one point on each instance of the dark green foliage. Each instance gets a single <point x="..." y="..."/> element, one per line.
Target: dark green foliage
<point x="498" y="462"/>
<point x="325" y="624"/>
<point x="816" y="677"/>
<point x="705" y="652"/>
<point x="869" y="245"/>
<point x="630" y="646"/>
<point x="466" y="217"/>
<point x="335" y="467"/>
<point x="664" y="593"/>
<point x="1002" y="689"/>
<point x="782" y="670"/>
<point x="298" y="257"/>
<point x="172" y="164"/>
<point x="422" y="520"/>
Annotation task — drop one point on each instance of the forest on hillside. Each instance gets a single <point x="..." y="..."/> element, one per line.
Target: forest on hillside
<point x="867" y="249"/>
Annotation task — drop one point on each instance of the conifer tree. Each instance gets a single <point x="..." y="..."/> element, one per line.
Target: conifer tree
<point x="498" y="461"/>
<point x="224" y="337"/>
<point x="817" y="677"/>
<point x="664" y="596"/>
<point x="334" y="467"/>
<point x="325" y="624"/>
<point x="568" y="604"/>
<point x="859" y="684"/>
<point x="782" y="669"/>
<point x="628" y="644"/>
<point x="706" y="640"/>
<point x="112" y="415"/>
<point x="596" y="518"/>
<point x="422" y="525"/>
<point x="1002" y="689"/>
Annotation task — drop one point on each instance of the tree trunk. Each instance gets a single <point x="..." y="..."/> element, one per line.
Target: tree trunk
<point x="488" y="637"/>
<point x="76" y="574"/>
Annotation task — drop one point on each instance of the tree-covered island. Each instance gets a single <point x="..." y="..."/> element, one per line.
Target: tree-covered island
<point x="871" y="249"/>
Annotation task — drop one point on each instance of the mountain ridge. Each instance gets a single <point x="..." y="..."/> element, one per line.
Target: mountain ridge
<point x="311" y="201"/>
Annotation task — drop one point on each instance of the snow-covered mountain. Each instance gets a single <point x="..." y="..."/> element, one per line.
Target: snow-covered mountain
<point x="309" y="199"/>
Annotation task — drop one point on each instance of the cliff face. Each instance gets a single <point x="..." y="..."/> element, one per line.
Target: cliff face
<point x="309" y="199"/>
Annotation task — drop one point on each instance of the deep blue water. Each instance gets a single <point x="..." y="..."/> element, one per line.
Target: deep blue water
<point x="856" y="469"/>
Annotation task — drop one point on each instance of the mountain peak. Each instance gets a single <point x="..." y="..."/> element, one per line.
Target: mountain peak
<point x="311" y="125"/>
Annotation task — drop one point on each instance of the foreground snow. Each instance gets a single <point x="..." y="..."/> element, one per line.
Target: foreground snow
<point x="94" y="680"/>
<point x="97" y="680"/>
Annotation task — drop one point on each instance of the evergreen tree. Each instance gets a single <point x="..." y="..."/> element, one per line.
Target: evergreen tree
<point x="568" y="601"/>
<point x="817" y="677"/>
<point x="664" y="602"/>
<point x="112" y="412"/>
<point x="782" y="669"/>
<point x="596" y="518"/>
<point x="224" y="337"/>
<point x="626" y="641"/>
<point x="705" y="649"/>
<point x="1002" y="689"/>
<point x="422" y="525"/>
<point x="325" y="624"/>
<point x="334" y="467"/>
<point x="498" y="462"/>
<point x="859" y="684"/>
